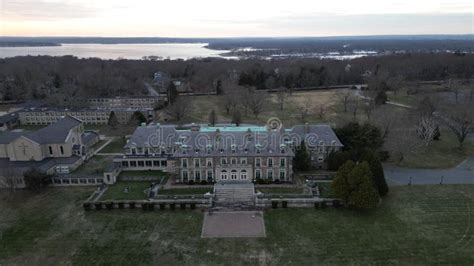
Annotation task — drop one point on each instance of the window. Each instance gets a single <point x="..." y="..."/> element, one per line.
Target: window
<point x="243" y="174"/>
<point x="233" y="161"/>
<point x="224" y="175"/>
<point x="270" y="162"/>
<point x="209" y="175"/>
<point x="62" y="150"/>
<point x="133" y="164"/>
<point x="197" y="175"/>
<point x="269" y="174"/>
<point x="148" y="163"/>
<point x="124" y="163"/>
<point x="134" y="151"/>
<point x="320" y="159"/>
<point x="223" y="161"/>
<point x="282" y="175"/>
<point x="258" y="174"/>
<point x="156" y="163"/>
<point x="233" y="174"/>
<point x="164" y="163"/>
<point x="243" y="160"/>
<point x="50" y="150"/>
<point x="184" y="175"/>
<point x="184" y="163"/>
<point x="257" y="162"/>
<point x="209" y="162"/>
<point x="141" y="163"/>
<point x="282" y="162"/>
<point x="197" y="162"/>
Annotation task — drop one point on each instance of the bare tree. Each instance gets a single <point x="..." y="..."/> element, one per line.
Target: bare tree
<point x="181" y="108"/>
<point x="459" y="119"/>
<point x="369" y="107"/>
<point x="305" y="110"/>
<point x="383" y="117"/>
<point x="345" y="99"/>
<point x="353" y="107"/>
<point x="427" y="129"/>
<point x="322" y="111"/>
<point x="254" y="101"/>
<point x="401" y="141"/>
<point x="282" y="96"/>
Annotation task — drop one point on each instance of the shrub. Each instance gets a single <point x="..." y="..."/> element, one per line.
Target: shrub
<point x="323" y="205"/>
<point x="172" y="206"/>
<point x="277" y="181"/>
<point x="151" y="206"/>
<point x="121" y="205"/>
<point x="191" y="182"/>
<point x="193" y="206"/>
<point x="336" y="204"/>
<point x="144" y="206"/>
<point x="284" y="204"/>
<point x="87" y="206"/>
<point x="109" y="205"/>
<point x="131" y="205"/>
<point x="337" y="159"/>
<point x="203" y="182"/>
<point x="384" y="156"/>
<point x="182" y="206"/>
<point x="317" y="205"/>
<point x="274" y="204"/>
<point x="162" y="206"/>
<point x="98" y="206"/>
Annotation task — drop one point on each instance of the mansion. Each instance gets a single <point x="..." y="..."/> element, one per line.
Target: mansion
<point x="59" y="148"/>
<point x="222" y="153"/>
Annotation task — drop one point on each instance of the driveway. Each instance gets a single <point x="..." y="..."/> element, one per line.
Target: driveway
<point x="461" y="174"/>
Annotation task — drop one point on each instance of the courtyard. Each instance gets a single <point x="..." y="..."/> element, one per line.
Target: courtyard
<point x="414" y="225"/>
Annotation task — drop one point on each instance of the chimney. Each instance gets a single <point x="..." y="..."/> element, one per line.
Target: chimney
<point x="306" y="128"/>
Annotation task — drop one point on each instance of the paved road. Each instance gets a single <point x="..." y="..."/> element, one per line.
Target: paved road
<point x="461" y="174"/>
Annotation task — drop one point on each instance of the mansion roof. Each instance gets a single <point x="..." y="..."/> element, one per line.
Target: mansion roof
<point x="200" y="141"/>
<point x="54" y="133"/>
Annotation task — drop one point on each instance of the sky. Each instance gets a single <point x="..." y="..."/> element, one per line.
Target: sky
<point x="238" y="18"/>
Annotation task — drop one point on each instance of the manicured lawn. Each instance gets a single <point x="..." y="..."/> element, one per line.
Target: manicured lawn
<point x="184" y="191"/>
<point x="95" y="165"/>
<point x="136" y="191"/>
<point x="325" y="190"/>
<point x="444" y="153"/>
<point x="115" y="146"/>
<point x="417" y="225"/>
<point x="280" y="190"/>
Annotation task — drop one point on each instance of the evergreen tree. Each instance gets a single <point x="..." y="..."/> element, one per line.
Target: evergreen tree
<point x="36" y="180"/>
<point x="236" y="118"/>
<point x="137" y="119"/>
<point x="378" y="176"/>
<point x="113" y="121"/>
<point x="212" y="118"/>
<point x="172" y="93"/>
<point x="219" y="89"/>
<point x="302" y="161"/>
<point x="340" y="185"/>
<point x="337" y="159"/>
<point x="363" y="194"/>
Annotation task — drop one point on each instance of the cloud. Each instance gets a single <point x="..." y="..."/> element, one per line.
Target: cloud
<point x="45" y="10"/>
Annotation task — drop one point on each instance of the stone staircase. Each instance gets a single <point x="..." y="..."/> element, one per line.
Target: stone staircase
<point x="234" y="195"/>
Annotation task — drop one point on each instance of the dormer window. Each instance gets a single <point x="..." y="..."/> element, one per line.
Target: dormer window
<point x="196" y="150"/>
<point x="221" y="150"/>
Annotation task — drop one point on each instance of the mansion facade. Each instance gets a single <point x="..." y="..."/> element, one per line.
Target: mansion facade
<point x="223" y="153"/>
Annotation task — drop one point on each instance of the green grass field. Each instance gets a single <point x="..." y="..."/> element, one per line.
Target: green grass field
<point x="115" y="146"/>
<point x="136" y="191"/>
<point x="444" y="153"/>
<point x="417" y="225"/>
<point x="94" y="166"/>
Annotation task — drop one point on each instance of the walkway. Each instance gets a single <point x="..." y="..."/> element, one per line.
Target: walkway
<point x="233" y="224"/>
<point x="461" y="174"/>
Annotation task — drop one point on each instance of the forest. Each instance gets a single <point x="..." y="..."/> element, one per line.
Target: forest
<point x="43" y="77"/>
